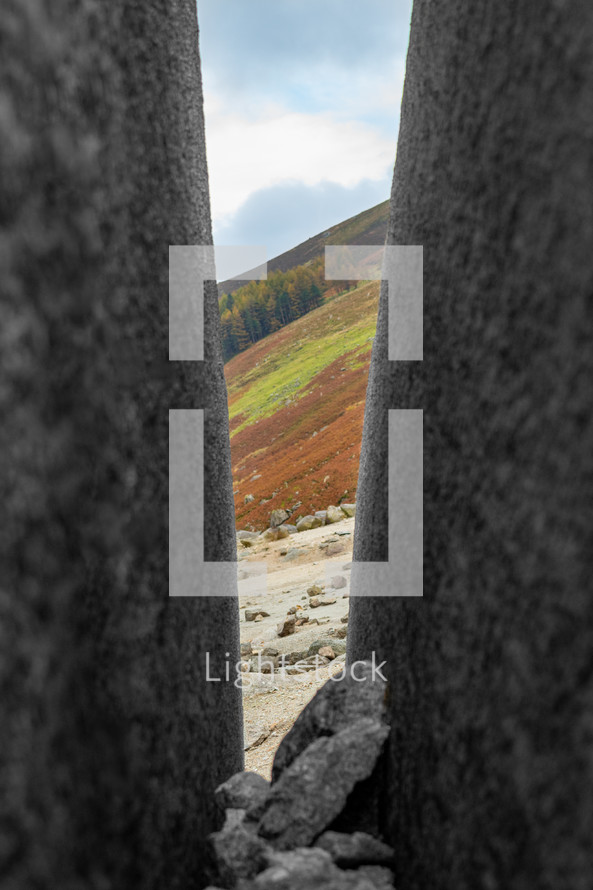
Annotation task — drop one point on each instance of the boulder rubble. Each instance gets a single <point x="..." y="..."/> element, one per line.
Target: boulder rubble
<point x="280" y="834"/>
<point x="280" y="528"/>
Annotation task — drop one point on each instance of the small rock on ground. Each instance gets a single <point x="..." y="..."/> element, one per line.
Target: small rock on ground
<point x="287" y="627"/>
<point x="263" y="664"/>
<point x="251" y="614"/>
<point x="334" y="548"/>
<point x="338" y="646"/>
<point x="338" y="581"/>
<point x="316" y="601"/>
<point x="293" y="553"/>
<point x="327" y="652"/>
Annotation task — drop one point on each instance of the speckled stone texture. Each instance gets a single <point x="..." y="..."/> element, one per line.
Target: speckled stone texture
<point x="111" y="741"/>
<point x="489" y="779"/>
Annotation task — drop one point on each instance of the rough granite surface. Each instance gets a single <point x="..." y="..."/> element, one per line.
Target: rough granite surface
<point x="112" y="743"/>
<point x="489" y="776"/>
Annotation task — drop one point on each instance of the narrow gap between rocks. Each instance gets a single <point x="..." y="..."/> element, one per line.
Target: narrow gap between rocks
<point x="295" y="470"/>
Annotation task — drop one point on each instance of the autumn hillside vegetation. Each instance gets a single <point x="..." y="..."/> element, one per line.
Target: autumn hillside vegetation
<point x="296" y="404"/>
<point x="260" y="308"/>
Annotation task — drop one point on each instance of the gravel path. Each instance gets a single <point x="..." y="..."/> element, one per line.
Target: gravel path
<point x="272" y="702"/>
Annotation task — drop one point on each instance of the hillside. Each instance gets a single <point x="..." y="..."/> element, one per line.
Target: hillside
<point x="368" y="227"/>
<point x="296" y="404"/>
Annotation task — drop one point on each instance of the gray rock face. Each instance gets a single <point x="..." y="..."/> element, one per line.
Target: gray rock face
<point x="352" y="850"/>
<point x="102" y="168"/>
<point x="313" y="789"/>
<point x="242" y="791"/>
<point x="349" y="509"/>
<point x="321" y="514"/>
<point x="491" y="669"/>
<point x="270" y="534"/>
<point x="336" y="706"/>
<point x="277" y="517"/>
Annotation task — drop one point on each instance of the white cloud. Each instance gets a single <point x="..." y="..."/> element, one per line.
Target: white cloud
<point x="283" y="215"/>
<point x="302" y="98"/>
<point x="247" y="153"/>
<point x="368" y="95"/>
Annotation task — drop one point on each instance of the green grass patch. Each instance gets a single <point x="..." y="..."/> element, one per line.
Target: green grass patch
<point x="286" y="371"/>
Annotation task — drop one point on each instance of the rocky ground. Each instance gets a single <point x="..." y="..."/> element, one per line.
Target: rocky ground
<point x="293" y="636"/>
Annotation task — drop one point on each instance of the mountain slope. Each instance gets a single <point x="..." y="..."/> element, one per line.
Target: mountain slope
<point x="368" y="227"/>
<point x="296" y="404"/>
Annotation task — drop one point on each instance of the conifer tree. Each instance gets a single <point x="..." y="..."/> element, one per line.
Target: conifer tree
<point x="238" y="329"/>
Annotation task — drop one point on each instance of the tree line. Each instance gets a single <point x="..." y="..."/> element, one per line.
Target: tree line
<point x="261" y="307"/>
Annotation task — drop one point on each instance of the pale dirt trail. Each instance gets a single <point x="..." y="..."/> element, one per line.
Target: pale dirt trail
<point x="271" y="703"/>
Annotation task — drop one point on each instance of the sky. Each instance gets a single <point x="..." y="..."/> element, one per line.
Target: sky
<point x="302" y="100"/>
